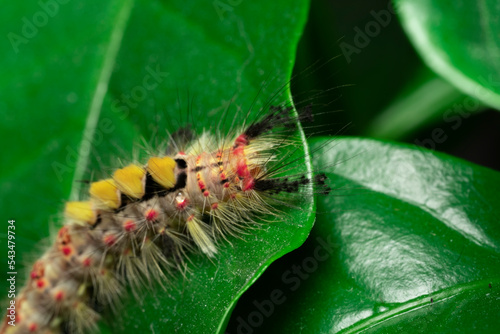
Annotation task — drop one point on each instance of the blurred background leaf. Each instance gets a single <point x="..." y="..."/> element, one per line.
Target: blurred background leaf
<point x="371" y="75"/>
<point x="459" y="40"/>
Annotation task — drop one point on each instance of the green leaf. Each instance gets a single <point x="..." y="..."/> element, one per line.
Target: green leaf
<point x="409" y="241"/>
<point x="458" y="40"/>
<point x="50" y="89"/>
<point x="97" y="78"/>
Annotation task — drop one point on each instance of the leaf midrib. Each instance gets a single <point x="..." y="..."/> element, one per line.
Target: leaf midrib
<point x="419" y="302"/>
<point x="101" y="89"/>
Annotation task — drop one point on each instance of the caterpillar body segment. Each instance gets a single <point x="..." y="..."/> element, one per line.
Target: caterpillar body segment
<point x="136" y="226"/>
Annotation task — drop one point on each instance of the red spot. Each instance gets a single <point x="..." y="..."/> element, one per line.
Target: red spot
<point x="33" y="327"/>
<point x="20" y="303"/>
<point x="190" y="218"/>
<point x="215" y="206"/>
<point x="239" y="151"/>
<point x="181" y="153"/>
<point x="38" y="270"/>
<point x="201" y="185"/>
<point x="66" y="250"/>
<point x="206" y="193"/>
<point x="129" y="225"/>
<point x="248" y="184"/>
<point x="242" y="140"/>
<point x="222" y="176"/>
<point x="232" y="196"/>
<point x="40" y="283"/>
<point x="242" y="169"/>
<point x="151" y="215"/>
<point x="63" y="236"/>
<point x="59" y="296"/>
<point x="109" y="239"/>
<point x="226" y="185"/>
<point x="87" y="262"/>
<point x="182" y="204"/>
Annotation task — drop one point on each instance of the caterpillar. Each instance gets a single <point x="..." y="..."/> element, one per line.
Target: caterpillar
<point x="136" y="228"/>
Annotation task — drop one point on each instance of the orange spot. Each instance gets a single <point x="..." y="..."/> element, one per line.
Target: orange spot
<point x="129" y="225"/>
<point x="190" y="218"/>
<point x="242" y="140"/>
<point x="151" y="215"/>
<point x="109" y="239"/>
<point x="38" y="270"/>
<point x="63" y="236"/>
<point x="62" y="231"/>
<point x="18" y="316"/>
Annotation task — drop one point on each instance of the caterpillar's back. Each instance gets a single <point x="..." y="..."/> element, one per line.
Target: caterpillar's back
<point x="137" y="225"/>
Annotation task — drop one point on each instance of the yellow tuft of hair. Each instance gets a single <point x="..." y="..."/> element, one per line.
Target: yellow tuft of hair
<point x="105" y="194"/>
<point x="162" y="171"/>
<point x="131" y="180"/>
<point x="201" y="237"/>
<point x="80" y="211"/>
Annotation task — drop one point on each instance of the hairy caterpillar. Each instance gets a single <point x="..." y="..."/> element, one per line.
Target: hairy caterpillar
<point x="138" y="225"/>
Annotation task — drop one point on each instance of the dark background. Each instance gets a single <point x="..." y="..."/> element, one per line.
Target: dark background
<point x="362" y="88"/>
